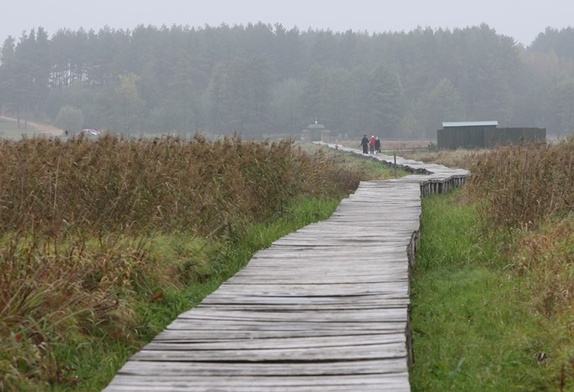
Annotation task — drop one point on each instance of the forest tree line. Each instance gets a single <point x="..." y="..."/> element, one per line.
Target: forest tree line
<point x="261" y="80"/>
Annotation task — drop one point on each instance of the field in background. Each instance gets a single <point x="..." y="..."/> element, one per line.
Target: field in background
<point x="460" y="158"/>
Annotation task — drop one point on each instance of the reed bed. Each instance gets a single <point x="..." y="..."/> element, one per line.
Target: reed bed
<point x="54" y="187"/>
<point x="524" y="185"/>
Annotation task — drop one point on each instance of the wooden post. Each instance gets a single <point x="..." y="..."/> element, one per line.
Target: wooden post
<point x="395" y="162"/>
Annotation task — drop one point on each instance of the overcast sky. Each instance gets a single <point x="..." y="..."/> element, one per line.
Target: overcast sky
<point x="521" y="19"/>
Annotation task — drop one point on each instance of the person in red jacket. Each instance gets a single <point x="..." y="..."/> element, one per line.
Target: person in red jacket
<point x="372" y="144"/>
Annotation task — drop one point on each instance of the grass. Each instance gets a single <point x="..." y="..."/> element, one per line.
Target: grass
<point x="471" y="330"/>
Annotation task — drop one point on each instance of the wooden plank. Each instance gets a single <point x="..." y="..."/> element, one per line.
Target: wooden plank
<point x="287" y="328"/>
<point x="388" y="382"/>
<point x="178" y="369"/>
<point x="375" y="315"/>
<point x="388" y="304"/>
<point x="280" y="343"/>
<point x="380" y="351"/>
<point x="290" y="344"/>
<point x="220" y="297"/>
<point x="333" y="290"/>
<point x="214" y="335"/>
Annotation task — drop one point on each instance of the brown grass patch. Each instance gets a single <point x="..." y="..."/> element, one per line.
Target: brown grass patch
<point x="53" y="187"/>
<point x="524" y="185"/>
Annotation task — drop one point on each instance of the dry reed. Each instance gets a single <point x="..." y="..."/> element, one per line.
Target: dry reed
<point x="52" y="187"/>
<point x="529" y="191"/>
<point x="523" y="185"/>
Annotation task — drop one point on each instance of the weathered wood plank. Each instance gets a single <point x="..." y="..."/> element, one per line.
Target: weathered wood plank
<point x="214" y="335"/>
<point x="267" y="305"/>
<point x="292" y="342"/>
<point x="311" y="290"/>
<point x="337" y="368"/>
<point x="301" y="354"/>
<point x="220" y="298"/>
<point x="390" y="382"/>
<point x="291" y="327"/>
<point x="378" y="315"/>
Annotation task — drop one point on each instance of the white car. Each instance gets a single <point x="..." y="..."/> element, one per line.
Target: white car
<point x="90" y="131"/>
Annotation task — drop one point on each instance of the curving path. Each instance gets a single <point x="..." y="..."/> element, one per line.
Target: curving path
<point x="325" y="308"/>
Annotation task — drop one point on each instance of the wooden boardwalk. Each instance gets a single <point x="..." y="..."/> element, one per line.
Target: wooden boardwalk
<point x="325" y="308"/>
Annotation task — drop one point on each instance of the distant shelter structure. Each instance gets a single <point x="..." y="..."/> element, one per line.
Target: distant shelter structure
<point x="316" y="132"/>
<point x="485" y="134"/>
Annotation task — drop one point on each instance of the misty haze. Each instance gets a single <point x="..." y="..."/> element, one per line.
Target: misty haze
<point x="266" y="81"/>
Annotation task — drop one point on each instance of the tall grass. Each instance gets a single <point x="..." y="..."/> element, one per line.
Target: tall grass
<point x="524" y="185"/>
<point x="56" y="187"/>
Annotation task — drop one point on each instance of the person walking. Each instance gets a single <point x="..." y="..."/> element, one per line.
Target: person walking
<point x="372" y="144"/>
<point x="365" y="144"/>
<point x="378" y="145"/>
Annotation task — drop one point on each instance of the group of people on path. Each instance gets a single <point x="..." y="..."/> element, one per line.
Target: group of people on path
<point x="372" y="145"/>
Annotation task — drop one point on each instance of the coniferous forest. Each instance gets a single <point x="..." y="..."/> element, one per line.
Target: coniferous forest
<point x="261" y="80"/>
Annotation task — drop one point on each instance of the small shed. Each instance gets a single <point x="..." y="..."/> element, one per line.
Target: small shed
<point x="485" y="134"/>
